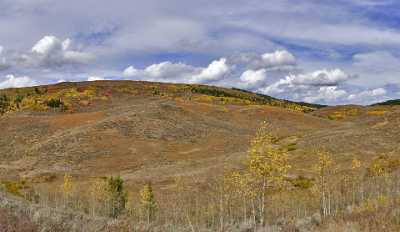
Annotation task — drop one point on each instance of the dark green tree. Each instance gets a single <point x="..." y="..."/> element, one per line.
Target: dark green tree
<point x="117" y="196"/>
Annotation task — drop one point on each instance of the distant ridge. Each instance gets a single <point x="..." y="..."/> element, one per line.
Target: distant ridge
<point x="44" y="97"/>
<point x="388" y="103"/>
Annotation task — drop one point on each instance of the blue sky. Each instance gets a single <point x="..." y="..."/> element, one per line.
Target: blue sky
<point x="329" y="52"/>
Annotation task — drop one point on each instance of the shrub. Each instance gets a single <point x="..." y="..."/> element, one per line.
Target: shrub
<point x="302" y="182"/>
<point x="117" y="196"/>
<point x="4" y="103"/>
<point x="54" y="103"/>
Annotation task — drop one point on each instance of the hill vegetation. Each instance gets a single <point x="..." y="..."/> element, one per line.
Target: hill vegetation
<point x="67" y="95"/>
<point x="390" y="102"/>
<point x="141" y="156"/>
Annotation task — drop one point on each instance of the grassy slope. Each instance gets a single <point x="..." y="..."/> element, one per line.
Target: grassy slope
<point x="152" y="131"/>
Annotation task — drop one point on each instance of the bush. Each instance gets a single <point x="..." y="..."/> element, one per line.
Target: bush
<point x="54" y="103"/>
<point x="118" y="196"/>
<point x="4" y="103"/>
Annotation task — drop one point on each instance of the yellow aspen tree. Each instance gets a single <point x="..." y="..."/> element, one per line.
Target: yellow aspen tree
<point x="242" y="187"/>
<point x="67" y="189"/>
<point x="148" y="201"/>
<point x="98" y="195"/>
<point x="269" y="164"/>
<point x="325" y="169"/>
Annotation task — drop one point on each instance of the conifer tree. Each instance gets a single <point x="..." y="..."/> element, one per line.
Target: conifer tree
<point x="117" y="195"/>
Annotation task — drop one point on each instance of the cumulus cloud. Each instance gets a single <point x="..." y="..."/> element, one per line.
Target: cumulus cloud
<point x="214" y="72"/>
<point x="253" y="78"/>
<point x="180" y="72"/>
<point x="326" y="94"/>
<point x="319" y="86"/>
<point x="11" y="81"/>
<point x="131" y="72"/>
<point x="279" y="59"/>
<point x="51" y="51"/>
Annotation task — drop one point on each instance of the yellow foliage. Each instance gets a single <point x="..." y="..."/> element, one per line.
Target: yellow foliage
<point x="355" y="164"/>
<point x="67" y="186"/>
<point x="266" y="160"/>
<point x="377" y="112"/>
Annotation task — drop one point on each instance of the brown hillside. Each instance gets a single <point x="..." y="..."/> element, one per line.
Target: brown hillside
<point x="152" y="131"/>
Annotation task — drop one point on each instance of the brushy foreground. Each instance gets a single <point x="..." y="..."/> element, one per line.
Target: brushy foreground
<point x="260" y="196"/>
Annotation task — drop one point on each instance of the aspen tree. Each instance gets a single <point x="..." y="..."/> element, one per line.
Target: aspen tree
<point x="242" y="186"/>
<point x="67" y="188"/>
<point x="268" y="164"/>
<point x="148" y="201"/>
<point x="98" y="195"/>
<point x="324" y="168"/>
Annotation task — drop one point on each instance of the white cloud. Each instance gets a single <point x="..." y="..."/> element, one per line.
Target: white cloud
<point x="51" y="51"/>
<point x="47" y="46"/>
<point x="278" y="58"/>
<point x="320" y="78"/>
<point x="95" y="78"/>
<point x="168" y="70"/>
<point x="320" y="86"/>
<point x="217" y="70"/>
<point x="252" y="78"/>
<point x="326" y="94"/>
<point x="130" y="72"/>
<point x="180" y="72"/>
<point x="11" y="81"/>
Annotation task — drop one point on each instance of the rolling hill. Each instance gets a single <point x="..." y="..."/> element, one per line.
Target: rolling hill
<point x="182" y="139"/>
<point x="155" y="132"/>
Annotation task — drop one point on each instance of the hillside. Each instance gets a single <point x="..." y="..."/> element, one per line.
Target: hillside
<point x="132" y="127"/>
<point x="155" y="132"/>
<point x="390" y="102"/>
<point x="142" y="129"/>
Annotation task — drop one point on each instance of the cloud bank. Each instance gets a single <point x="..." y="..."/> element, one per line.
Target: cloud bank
<point x="315" y="51"/>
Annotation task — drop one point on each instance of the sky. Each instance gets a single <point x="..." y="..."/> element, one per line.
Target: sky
<point x="318" y="51"/>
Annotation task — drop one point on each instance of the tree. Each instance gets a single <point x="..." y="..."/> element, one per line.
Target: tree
<point x="67" y="188"/>
<point x="268" y="164"/>
<point x="325" y="169"/>
<point x="148" y="201"/>
<point x="241" y="186"/>
<point x="117" y="195"/>
<point x="98" y="194"/>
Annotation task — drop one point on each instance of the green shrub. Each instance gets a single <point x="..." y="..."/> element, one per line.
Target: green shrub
<point x="117" y="195"/>
<point x="4" y="103"/>
<point x="302" y="182"/>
